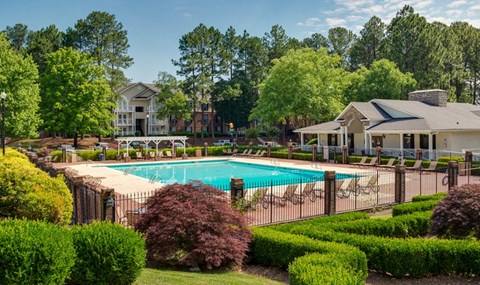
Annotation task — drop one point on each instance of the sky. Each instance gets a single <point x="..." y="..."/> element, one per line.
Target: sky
<point x="154" y="27"/>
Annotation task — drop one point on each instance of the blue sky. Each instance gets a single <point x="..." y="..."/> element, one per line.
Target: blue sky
<point x="154" y="27"/>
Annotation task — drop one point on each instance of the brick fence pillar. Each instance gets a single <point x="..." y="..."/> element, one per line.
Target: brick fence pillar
<point x="330" y="201"/>
<point x="314" y="152"/>
<point x="468" y="162"/>
<point x="452" y="174"/>
<point x="344" y="154"/>
<point x="399" y="184"/>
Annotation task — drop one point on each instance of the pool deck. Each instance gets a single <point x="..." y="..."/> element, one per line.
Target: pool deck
<point x="125" y="183"/>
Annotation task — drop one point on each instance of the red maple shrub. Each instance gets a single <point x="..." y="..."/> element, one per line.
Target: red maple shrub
<point x="193" y="225"/>
<point x="458" y="214"/>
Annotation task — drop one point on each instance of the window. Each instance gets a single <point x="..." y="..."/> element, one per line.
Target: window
<point x="409" y="141"/>
<point x="424" y="141"/>
<point x="139" y="109"/>
<point x="377" y="141"/>
<point x="204" y="107"/>
<point x="205" y="119"/>
<point x="332" y="140"/>
<point x="351" y="141"/>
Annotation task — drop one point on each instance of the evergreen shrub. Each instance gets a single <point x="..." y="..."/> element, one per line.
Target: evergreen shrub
<point x="34" y="253"/>
<point x="107" y="254"/>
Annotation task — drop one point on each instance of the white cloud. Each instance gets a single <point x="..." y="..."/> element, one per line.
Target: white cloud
<point x="454" y="12"/>
<point x="335" y="22"/>
<point x="353" y="18"/>
<point x="456" y="4"/>
<point x="187" y="15"/>
<point x="311" y="22"/>
<point x="422" y="4"/>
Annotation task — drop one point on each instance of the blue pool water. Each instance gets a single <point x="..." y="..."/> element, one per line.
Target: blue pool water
<point x="218" y="172"/>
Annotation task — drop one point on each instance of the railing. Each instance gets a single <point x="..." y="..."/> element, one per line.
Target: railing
<point x="125" y="109"/>
<point x="126" y="122"/>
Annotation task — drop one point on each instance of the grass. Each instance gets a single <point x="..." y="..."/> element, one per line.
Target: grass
<point x="161" y="276"/>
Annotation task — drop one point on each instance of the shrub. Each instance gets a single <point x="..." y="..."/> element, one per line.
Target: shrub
<point x="107" y="254"/>
<point x="438" y="197"/>
<point x="279" y="249"/>
<point x="415" y="257"/>
<point x="34" y="253"/>
<point x="28" y="192"/>
<point x="353" y="216"/>
<point x="458" y="214"/>
<point x="193" y="225"/>
<point x="409" y="208"/>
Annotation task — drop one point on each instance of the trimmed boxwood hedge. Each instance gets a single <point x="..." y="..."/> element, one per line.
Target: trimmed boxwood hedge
<point x="34" y="253"/>
<point x="416" y="257"/>
<point x="419" y="203"/>
<point x="342" y="262"/>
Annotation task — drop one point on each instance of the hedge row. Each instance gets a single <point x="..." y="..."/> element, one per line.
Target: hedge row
<point x="414" y="257"/>
<point x="28" y="192"/>
<point x="309" y="261"/>
<point x="42" y="253"/>
<point x="419" y="204"/>
<point x="353" y="216"/>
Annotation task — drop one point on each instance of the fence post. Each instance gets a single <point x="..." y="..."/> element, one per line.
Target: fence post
<point x="269" y="149"/>
<point x="452" y="174"/>
<point x="314" y="152"/>
<point x="399" y="184"/>
<point x="205" y="149"/>
<point x="468" y="162"/>
<point x="290" y="150"/>
<point x="104" y="152"/>
<point x="330" y="201"/>
<point x="344" y="154"/>
<point x="64" y="154"/>
<point x="378" y="153"/>
<point x="418" y="154"/>
<point x="236" y="189"/>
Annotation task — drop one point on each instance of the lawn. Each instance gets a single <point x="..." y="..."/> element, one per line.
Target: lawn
<point x="156" y="276"/>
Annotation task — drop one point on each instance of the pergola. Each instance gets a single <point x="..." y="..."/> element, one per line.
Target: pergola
<point x="147" y="140"/>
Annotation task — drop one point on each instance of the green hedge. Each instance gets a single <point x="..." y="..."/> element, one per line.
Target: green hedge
<point x="274" y="248"/>
<point x="107" y="254"/>
<point x="28" y="192"/>
<point x="415" y="257"/>
<point x="419" y="203"/>
<point x="34" y="253"/>
<point x="353" y="216"/>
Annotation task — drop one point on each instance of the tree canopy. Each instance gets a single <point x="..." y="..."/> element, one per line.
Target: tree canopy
<point x="19" y="80"/>
<point x="75" y="94"/>
<point x="304" y="84"/>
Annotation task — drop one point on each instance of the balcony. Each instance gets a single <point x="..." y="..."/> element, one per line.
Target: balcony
<point x="127" y="122"/>
<point x="125" y="109"/>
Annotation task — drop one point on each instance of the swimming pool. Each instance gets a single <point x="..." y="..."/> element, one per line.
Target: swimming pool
<point x="218" y="172"/>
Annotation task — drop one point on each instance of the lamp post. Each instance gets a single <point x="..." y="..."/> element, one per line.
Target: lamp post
<point x="3" y="95"/>
<point x="146" y="132"/>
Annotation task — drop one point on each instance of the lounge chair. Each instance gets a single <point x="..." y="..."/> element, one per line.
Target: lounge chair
<point x="372" y="162"/>
<point x="255" y="154"/>
<point x="261" y="154"/>
<point x="139" y="155"/>
<point x="351" y="187"/>
<point x="235" y="151"/>
<point x="168" y="154"/>
<point x="372" y="185"/>
<point x="259" y="197"/>
<point x="416" y="166"/>
<point x="247" y="153"/>
<point x="432" y="167"/>
<point x="389" y="164"/>
<point x="240" y="154"/>
<point x="311" y="192"/>
<point x="151" y="155"/>
<point x="288" y="195"/>
<point x="362" y="161"/>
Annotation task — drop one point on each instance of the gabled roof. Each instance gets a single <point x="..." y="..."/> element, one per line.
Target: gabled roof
<point x="147" y="92"/>
<point x="328" y="127"/>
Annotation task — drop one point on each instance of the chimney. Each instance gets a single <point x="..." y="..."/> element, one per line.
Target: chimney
<point x="434" y="97"/>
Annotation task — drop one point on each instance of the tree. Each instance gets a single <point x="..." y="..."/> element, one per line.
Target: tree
<point x="104" y="38"/>
<point x="173" y="104"/>
<point x="366" y="49"/>
<point x="76" y="98"/>
<point x="316" y="41"/>
<point x="193" y="225"/>
<point x="278" y="43"/>
<point x="382" y="81"/>
<point x="340" y="41"/>
<point x="468" y="38"/>
<point x="303" y="84"/>
<point x="42" y="42"/>
<point x="19" y="80"/>
<point x="17" y="35"/>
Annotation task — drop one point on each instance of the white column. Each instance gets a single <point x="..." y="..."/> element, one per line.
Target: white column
<point x="369" y="142"/>
<point x="365" y="139"/>
<point x="346" y="136"/>
<point x="430" y="146"/>
<point x="318" y="139"/>
<point x="401" y="145"/>
<point x="342" y="137"/>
